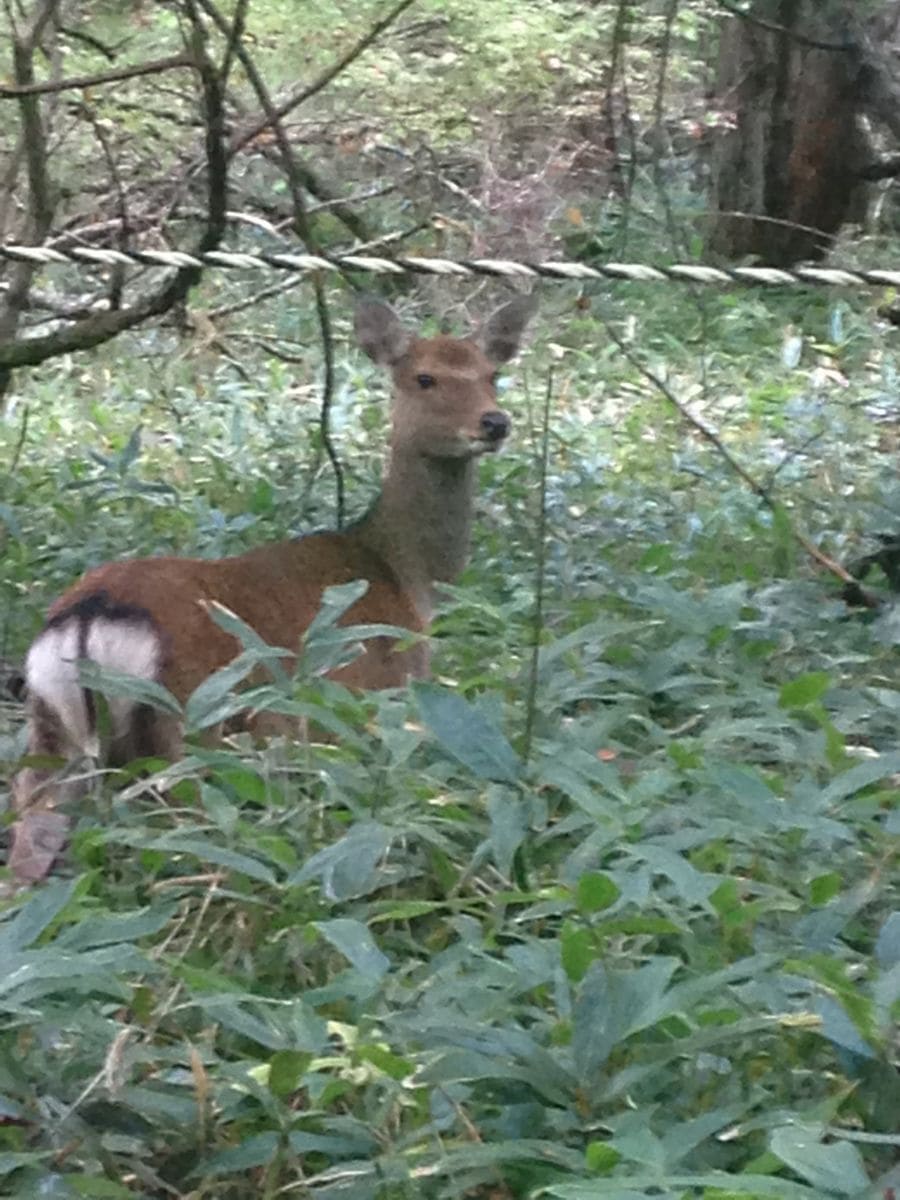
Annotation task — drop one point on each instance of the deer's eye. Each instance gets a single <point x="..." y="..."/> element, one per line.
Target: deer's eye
<point x="426" y="381"/>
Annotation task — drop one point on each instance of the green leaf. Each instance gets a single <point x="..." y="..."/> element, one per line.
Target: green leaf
<point x="391" y="1064"/>
<point x="577" y="951"/>
<point x="804" y="690"/>
<point x="348" y="868"/>
<point x="129" y="687"/>
<point x="840" y="1029"/>
<point x="509" y="826"/>
<point x="286" y="1069"/>
<point x="131" y="451"/>
<point x="825" y="887"/>
<point x="11" y="521"/>
<point x="336" y="601"/>
<point x="887" y="947"/>
<point x="113" y="928"/>
<point x="303" y="1142"/>
<point x="636" y="1187"/>
<point x="216" y="698"/>
<point x="835" y="1168"/>
<point x="245" y="635"/>
<point x="208" y="851"/>
<point x="38" y="912"/>
<point x="600" y="1157"/>
<point x="613" y="1004"/>
<point x="467" y="734"/>
<point x="835" y="975"/>
<point x="232" y="1012"/>
<point x="681" y="1138"/>
<point x="326" y="644"/>
<point x="595" y="892"/>
<point x="407" y="910"/>
<point x="14" y="1160"/>
<point x="862" y="775"/>
<point x="356" y="943"/>
<point x="207" y="981"/>
<point x="255" y="1151"/>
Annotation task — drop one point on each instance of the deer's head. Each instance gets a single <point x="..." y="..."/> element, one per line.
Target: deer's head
<point x="445" y="395"/>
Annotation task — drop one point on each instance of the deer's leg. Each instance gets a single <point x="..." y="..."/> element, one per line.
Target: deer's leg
<point x="41" y="828"/>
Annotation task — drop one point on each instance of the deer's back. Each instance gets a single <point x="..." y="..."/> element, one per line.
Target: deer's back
<point x="275" y="589"/>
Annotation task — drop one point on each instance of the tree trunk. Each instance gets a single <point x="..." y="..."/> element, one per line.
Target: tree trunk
<point x="786" y="167"/>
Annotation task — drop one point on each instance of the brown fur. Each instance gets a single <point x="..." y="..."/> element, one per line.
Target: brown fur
<point x="176" y="591"/>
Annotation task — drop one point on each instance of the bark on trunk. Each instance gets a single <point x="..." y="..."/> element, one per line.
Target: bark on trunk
<point x="786" y="168"/>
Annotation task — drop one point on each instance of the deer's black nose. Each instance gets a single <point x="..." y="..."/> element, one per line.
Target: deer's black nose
<point x="495" y="425"/>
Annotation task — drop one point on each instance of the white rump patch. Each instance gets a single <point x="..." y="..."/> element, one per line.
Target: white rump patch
<point x="51" y="671"/>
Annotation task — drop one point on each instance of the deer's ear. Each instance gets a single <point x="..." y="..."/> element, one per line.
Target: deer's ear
<point x="379" y="331"/>
<point x="501" y="335"/>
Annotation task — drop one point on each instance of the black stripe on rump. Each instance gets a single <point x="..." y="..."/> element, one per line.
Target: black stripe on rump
<point x="100" y="606"/>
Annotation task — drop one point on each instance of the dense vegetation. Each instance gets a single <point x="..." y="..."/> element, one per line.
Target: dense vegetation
<point x="616" y="920"/>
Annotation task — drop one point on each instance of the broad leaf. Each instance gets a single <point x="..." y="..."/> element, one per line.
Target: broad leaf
<point x="467" y="734"/>
<point x="356" y="943"/>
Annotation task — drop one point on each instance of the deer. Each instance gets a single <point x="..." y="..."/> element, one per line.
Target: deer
<point x="150" y="617"/>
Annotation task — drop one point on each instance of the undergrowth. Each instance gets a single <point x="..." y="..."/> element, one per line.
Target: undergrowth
<point x="658" y="957"/>
<point x="618" y="919"/>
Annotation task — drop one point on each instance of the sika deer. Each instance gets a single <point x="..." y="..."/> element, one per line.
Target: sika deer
<point x="148" y="617"/>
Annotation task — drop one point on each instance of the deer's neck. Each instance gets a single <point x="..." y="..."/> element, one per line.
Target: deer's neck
<point x="421" y="523"/>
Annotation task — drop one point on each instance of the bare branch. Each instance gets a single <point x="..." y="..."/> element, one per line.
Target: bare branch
<point x="44" y="12"/>
<point x="323" y="191"/>
<point x="100" y="327"/>
<point x="81" y="35"/>
<point x="884" y="168"/>
<point x="7" y="186"/>
<point x="323" y="80"/>
<point x="275" y="289"/>
<point x="237" y="32"/>
<point x="41" y="194"/>
<point x="17" y="90"/>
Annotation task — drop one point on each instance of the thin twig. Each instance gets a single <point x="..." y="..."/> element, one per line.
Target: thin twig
<point x="663" y="191"/>
<point x="368" y="193"/>
<point x="276" y="289"/>
<point x="389" y="239"/>
<point x="741" y="471"/>
<point x="537" y="619"/>
<point x="81" y="35"/>
<point x="339" y="65"/>
<point x="270" y="346"/>
<point x="117" y="274"/>
<point x="238" y="24"/>
<point x="10" y="91"/>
